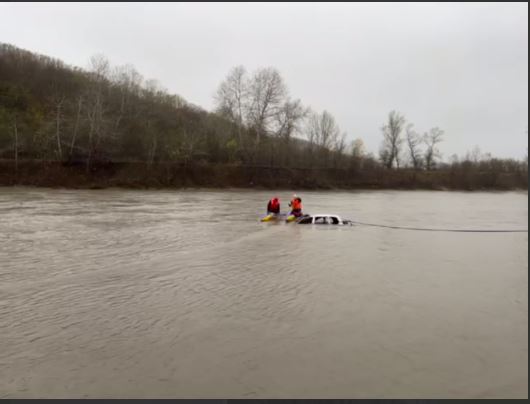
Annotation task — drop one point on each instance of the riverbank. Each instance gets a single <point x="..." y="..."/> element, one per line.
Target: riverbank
<point x="172" y="175"/>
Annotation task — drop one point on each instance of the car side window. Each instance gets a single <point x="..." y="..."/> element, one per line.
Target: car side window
<point x="320" y="220"/>
<point x="334" y="220"/>
<point x="306" y="220"/>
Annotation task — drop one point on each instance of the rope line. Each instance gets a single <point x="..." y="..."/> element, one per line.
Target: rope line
<point x="445" y="230"/>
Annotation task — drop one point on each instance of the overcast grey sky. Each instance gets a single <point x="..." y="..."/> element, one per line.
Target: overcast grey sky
<point x="461" y="67"/>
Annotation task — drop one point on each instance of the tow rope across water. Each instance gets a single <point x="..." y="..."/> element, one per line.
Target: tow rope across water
<point x="446" y="230"/>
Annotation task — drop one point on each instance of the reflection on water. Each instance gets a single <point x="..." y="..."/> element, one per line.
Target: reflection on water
<point x="165" y="294"/>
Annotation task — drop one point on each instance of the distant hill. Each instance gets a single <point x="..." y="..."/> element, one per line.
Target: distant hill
<point x="62" y="116"/>
<point x="61" y="112"/>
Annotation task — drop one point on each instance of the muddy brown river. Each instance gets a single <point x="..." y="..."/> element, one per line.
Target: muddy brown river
<point x="185" y="294"/>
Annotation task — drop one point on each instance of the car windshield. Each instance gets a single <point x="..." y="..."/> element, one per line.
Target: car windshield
<point x="305" y="220"/>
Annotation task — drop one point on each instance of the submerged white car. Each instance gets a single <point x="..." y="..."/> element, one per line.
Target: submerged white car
<point x="323" y="219"/>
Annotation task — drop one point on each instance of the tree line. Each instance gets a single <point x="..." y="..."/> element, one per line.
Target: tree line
<point x="53" y="112"/>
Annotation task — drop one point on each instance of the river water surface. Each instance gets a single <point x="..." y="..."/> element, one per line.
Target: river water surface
<point x="185" y="294"/>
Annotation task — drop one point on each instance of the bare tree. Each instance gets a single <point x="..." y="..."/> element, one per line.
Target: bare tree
<point x="431" y="139"/>
<point x="288" y="122"/>
<point x="357" y="153"/>
<point x="454" y="159"/>
<point x="99" y="67"/>
<point x="58" y="90"/>
<point x="267" y="93"/>
<point x="152" y="88"/>
<point x="475" y="156"/>
<point x="385" y="156"/>
<point x="392" y="141"/>
<point x="328" y="131"/>
<point x="358" y="149"/>
<point x="322" y="133"/>
<point x="339" y="145"/>
<point x="129" y="83"/>
<point x="179" y="102"/>
<point x="152" y="91"/>
<point x="231" y="98"/>
<point x="413" y="142"/>
<point x="288" y="119"/>
<point x="15" y="129"/>
<point x="190" y="141"/>
<point x="76" y="125"/>
<point x="312" y="129"/>
<point x="58" y="104"/>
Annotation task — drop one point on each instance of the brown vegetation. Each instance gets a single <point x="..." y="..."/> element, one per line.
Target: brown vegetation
<point x="63" y="126"/>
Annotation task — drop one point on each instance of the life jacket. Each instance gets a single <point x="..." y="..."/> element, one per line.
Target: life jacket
<point x="296" y="204"/>
<point x="274" y="206"/>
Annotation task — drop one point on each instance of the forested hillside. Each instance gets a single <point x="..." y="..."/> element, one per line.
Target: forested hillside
<point x="62" y="125"/>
